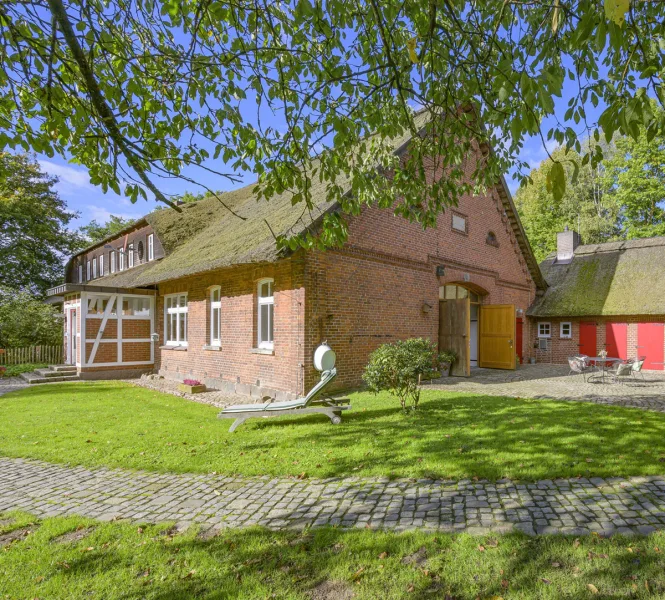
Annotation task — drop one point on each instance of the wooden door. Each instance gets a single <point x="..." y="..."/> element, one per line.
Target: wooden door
<point x="616" y="340"/>
<point x="650" y="344"/>
<point x="454" y="334"/>
<point x="497" y="336"/>
<point x="587" y="343"/>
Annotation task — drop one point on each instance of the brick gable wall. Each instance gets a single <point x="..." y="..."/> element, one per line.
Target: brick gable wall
<point x="374" y="290"/>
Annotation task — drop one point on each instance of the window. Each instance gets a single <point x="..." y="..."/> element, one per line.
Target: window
<point x="151" y="246"/>
<point x="101" y="265"/>
<point x="566" y="330"/>
<point x="175" y="319"/>
<point x="80" y="273"/>
<point x="139" y="251"/>
<point x="112" y="260"/>
<point x="459" y="222"/>
<point x="97" y="306"/>
<point x="130" y="256"/>
<point x="455" y="292"/>
<point x="94" y="267"/>
<point x="87" y="270"/>
<point x="136" y="307"/>
<point x="491" y="239"/>
<point x="216" y="316"/>
<point x="266" y="311"/>
<point x="121" y="259"/>
<point x="544" y="330"/>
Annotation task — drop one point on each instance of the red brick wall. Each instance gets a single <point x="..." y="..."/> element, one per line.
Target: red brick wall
<point x="237" y="363"/>
<point x="373" y="290"/>
<point x="561" y="349"/>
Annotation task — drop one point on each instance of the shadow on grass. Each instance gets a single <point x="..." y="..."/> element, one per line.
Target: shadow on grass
<point x="487" y="437"/>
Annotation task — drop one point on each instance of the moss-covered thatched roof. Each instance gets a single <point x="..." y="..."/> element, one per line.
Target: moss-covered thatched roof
<point x="207" y="236"/>
<point x="613" y="279"/>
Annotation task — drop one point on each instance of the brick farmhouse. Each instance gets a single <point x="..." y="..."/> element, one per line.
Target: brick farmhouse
<point x="601" y="297"/>
<point x="204" y="295"/>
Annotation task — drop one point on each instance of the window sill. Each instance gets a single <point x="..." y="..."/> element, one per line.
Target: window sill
<point x="213" y="348"/>
<point x="178" y="348"/>
<point x="266" y="351"/>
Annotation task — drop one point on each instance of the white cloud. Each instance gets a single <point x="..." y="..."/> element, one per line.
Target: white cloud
<point x="71" y="177"/>
<point x="102" y="215"/>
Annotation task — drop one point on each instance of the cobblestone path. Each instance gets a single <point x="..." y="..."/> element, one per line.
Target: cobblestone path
<point x="11" y="384"/>
<point x="554" y="382"/>
<point x="577" y="506"/>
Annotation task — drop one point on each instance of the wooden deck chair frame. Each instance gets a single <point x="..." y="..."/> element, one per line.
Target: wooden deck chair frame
<point x="331" y="407"/>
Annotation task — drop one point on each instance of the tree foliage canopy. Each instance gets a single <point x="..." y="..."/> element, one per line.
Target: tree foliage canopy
<point x="95" y="232"/>
<point x="623" y="197"/>
<point x="136" y="90"/>
<point x="27" y="321"/>
<point x="34" y="239"/>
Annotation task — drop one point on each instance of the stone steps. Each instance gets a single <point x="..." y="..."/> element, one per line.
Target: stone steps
<point x="53" y="374"/>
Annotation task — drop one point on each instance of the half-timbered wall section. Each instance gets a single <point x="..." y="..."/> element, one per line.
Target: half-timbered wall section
<point x="117" y="330"/>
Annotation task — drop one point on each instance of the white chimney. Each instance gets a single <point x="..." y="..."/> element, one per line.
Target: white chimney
<point x="566" y="242"/>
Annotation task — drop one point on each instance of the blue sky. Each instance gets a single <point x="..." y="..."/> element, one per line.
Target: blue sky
<point x="88" y="200"/>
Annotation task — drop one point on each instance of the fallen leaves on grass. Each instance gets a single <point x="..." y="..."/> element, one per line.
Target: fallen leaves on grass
<point x="592" y="588"/>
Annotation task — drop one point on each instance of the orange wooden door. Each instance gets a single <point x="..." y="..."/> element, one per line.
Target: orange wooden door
<point x="454" y="333"/>
<point x="497" y="336"/>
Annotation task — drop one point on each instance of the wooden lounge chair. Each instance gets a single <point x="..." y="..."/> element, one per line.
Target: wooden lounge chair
<point x="312" y="403"/>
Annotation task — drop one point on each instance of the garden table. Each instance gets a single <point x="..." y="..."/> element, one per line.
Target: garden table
<point x="603" y="362"/>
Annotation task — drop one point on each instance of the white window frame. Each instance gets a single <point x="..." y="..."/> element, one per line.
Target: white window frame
<point x="151" y="246"/>
<point x="268" y="300"/>
<point x="182" y="307"/>
<point x="80" y="272"/>
<point x="101" y="265"/>
<point x="94" y="267"/>
<point x="541" y="328"/>
<point x="563" y="335"/>
<point x="130" y="256"/>
<point x="88" y="270"/>
<point x="112" y="259"/>
<point x="216" y="305"/>
<point x="121" y="259"/>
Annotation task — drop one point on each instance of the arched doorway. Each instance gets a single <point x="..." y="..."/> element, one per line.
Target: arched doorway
<point x="474" y="294"/>
<point x="481" y="334"/>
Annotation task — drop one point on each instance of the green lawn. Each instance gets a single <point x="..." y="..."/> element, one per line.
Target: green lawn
<point x="131" y="561"/>
<point x="451" y="436"/>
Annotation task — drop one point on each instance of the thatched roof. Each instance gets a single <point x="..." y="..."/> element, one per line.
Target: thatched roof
<point x="207" y="236"/>
<point x="613" y="279"/>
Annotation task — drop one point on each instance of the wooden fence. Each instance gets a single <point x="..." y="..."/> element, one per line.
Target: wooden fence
<point x="52" y="355"/>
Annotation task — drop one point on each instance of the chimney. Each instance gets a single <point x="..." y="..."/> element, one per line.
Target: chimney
<point x="566" y="242"/>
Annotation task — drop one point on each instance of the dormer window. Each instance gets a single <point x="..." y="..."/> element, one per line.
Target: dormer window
<point x="94" y="267"/>
<point x="130" y="256"/>
<point x="121" y="259"/>
<point x="112" y="260"/>
<point x="80" y="273"/>
<point x="101" y="265"/>
<point x="151" y="247"/>
<point x="87" y="270"/>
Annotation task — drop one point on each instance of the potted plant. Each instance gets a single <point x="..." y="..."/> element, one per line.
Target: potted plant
<point x="191" y="386"/>
<point x="446" y="360"/>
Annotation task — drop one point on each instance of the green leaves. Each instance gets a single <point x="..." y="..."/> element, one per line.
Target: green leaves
<point x="615" y="10"/>
<point x="556" y="180"/>
<point x="308" y="95"/>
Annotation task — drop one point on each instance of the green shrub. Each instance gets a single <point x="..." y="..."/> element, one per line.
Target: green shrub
<point x="395" y="368"/>
<point x="447" y="357"/>
<point x="16" y="370"/>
